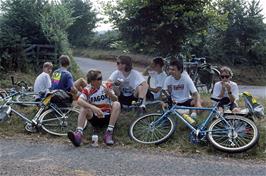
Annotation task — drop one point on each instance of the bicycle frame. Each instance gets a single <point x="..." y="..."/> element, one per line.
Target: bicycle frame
<point x="201" y="127"/>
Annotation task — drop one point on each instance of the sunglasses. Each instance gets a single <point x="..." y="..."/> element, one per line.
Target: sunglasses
<point x="99" y="78"/>
<point x="225" y="76"/>
<point x="118" y="63"/>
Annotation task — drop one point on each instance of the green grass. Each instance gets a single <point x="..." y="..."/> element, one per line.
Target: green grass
<point x="178" y="143"/>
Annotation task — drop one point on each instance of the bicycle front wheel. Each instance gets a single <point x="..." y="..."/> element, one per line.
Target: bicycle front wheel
<point x="239" y="135"/>
<point x="59" y="121"/>
<point x="145" y="131"/>
<point x="25" y="98"/>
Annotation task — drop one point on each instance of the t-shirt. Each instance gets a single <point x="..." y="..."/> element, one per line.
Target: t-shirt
<point x="181" y="89"/>
<point x="42" y="83"/>
<point x="129" y="83"/>
<point x="218" y="88"/>
<point x="62" y="79"/>
<point x="157" y="80"/>
<point x="97" y="97"/>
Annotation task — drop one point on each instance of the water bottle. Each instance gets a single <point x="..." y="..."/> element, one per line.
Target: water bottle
<point x="94" y="139"/>
<point x="189" y="119"/>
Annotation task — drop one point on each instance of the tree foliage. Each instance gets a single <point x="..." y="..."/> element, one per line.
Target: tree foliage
<point x="80" y="33"/>
<point x="158" y="26"/>
<point x="55" y="20"/>
<point x="52" y="22"/>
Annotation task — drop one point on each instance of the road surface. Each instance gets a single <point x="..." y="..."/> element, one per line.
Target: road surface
<point x="38" y="157"/>
<point x="107" y="67"/>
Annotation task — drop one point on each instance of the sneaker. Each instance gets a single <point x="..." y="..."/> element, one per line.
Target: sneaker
<point x="142" y="109"/>
<point x="75" y="137"/>
<point x="108" y="138"/>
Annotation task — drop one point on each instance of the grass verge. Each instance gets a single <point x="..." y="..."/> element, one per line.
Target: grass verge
<point x="178" y="143"/>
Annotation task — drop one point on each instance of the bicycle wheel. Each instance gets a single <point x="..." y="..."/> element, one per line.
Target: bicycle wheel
<point x="23" y="98"/>
<point x="240" y="135"/>
<point x="144" y="131"/>
<point x="60" y="121"/>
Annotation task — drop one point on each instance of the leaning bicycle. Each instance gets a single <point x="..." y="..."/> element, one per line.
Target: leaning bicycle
<point x="49" y="117"/>
<point x="230" y="133"/>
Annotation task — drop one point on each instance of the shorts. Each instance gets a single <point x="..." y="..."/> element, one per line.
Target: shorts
<point x="186" y="103"/>
<point x="230" y="105"/>
<point x="126" y="100"/>
<point x="149" y="96"/>
<point x="100" y="122"/>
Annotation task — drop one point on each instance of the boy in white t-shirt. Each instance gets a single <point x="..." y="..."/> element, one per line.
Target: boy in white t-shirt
<point x="99" y="105"/>
<point x="156" y="78"/>
<point x="43" y="81"/>
<point x="129" y="84"/>
<point x="226" y="90"/>
<point x="180" y="86"/>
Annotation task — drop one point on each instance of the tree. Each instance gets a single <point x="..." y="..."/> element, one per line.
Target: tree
<point x="158" y="26"/>
<point x="80" y="32"/>
<point x="55" y="20"/>
<point x="245" y="28"/>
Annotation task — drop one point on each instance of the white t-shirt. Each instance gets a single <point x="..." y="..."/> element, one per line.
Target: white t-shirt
<point x="42" y="83"/>
<point x="157" y="80"/>
<point x="129" y="83"/>
<point x="181" y="89"/>
<point x="218" y="88"/>
<point x="98" y="98"/>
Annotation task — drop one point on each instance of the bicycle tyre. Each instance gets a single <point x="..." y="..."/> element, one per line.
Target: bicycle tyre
<point x="59" y="124"/>
<point x="141" y="131"/>
<point x="23" y="98"/>
<point x="244" y="137"/>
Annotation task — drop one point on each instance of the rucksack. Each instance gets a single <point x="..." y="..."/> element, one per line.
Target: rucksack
<point x="61" y="98"/>
<point x="251" y="103"/>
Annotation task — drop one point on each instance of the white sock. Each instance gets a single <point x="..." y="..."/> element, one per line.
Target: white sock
<point x="110" y="128"/>
<point x="80" y="129"/>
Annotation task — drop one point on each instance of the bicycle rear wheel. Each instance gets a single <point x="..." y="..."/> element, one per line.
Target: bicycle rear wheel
<point x="144" y="131"/>
<point x="60" y="121"/>
<point x="240" y="135"/>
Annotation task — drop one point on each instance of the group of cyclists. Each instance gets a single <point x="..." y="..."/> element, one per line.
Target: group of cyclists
<point x="101" y="101"/>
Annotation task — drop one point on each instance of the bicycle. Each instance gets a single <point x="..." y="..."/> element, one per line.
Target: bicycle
<point x="49" y="117"/>
<point x="26" y="93"/>
<point x="230" y="133"/>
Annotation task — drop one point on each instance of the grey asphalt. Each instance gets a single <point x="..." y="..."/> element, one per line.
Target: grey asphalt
<point x="32" y="157"/>
<point x="107" y="67"/>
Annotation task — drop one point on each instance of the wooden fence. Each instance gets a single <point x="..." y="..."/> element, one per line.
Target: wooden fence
<point x="38" y="54"/>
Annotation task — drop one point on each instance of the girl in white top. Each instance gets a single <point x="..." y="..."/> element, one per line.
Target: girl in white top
<point x="130" y="84"/>
<point x="226" y="89"/>
<point x="156" y="77"/>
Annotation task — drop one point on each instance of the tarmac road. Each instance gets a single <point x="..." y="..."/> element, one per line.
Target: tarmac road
<point x="25" y="157"/>
<point x="107" y="67"/>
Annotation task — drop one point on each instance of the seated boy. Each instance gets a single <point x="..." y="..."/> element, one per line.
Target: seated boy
<point x="99" y="105"/>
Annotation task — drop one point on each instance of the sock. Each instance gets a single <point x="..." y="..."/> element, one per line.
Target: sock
<point x="110" y="128"/>
<point x="140" y="101"/>
<point x="80" y="129"/>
